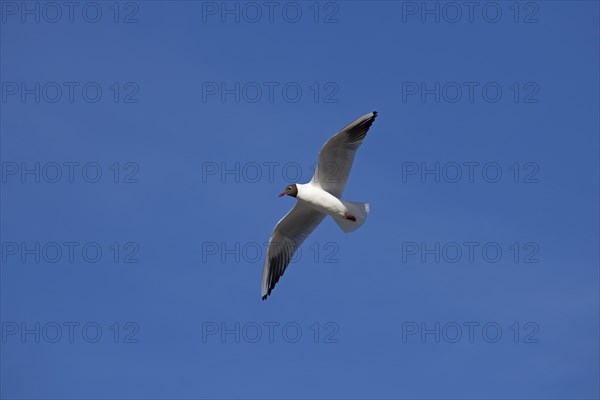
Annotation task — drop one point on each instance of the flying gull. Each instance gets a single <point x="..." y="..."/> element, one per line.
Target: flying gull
<point x="317" y="199"/>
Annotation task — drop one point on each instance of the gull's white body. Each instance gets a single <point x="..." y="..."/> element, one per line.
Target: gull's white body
<point x="317" y="199"/>
<point x="320" y="200"/>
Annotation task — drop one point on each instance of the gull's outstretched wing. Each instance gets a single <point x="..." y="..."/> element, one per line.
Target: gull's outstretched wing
<point x="337" y="155"/>
<point x="288" y="235"/>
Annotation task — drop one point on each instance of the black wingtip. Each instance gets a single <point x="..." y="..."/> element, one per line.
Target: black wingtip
<point x="266" y="295"/>
<point x="374" y="114"/>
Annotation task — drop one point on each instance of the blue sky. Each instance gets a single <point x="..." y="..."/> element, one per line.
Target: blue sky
<point x="132" y="250"/>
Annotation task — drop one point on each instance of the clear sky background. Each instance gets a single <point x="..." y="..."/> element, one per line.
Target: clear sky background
<point x="371" y="314"/>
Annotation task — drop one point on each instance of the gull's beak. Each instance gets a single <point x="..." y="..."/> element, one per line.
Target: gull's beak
<point x="282" y="194"/>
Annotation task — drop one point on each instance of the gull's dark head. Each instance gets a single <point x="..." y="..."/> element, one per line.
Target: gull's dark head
<point x="290" y="190"/>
